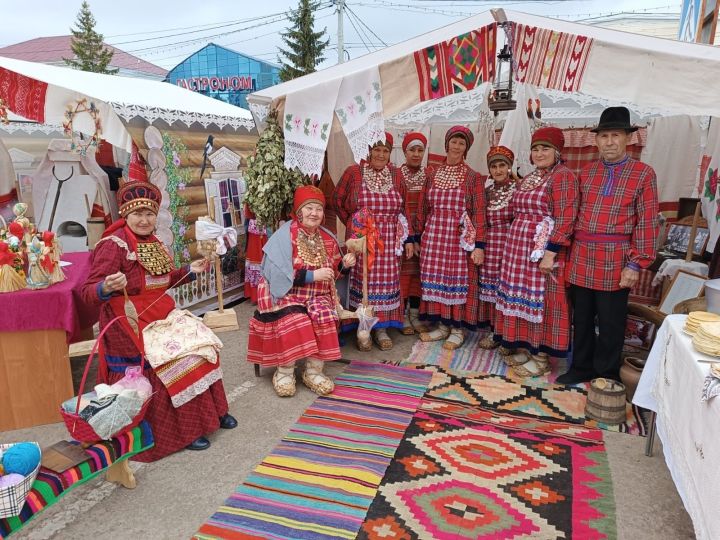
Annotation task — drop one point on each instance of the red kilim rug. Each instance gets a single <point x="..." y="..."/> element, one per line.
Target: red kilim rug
<point x="468" y="472"/>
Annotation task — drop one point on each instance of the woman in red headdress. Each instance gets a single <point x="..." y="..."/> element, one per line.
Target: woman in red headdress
<point x="296" y="316"/>
<point x="377" y="186"/>
<point x="499" y="216"/>
<point x="451" y="232"/>
<point x="532" y="320"/>
<point x="414" y="175"/>
<point x="129" y="258"/>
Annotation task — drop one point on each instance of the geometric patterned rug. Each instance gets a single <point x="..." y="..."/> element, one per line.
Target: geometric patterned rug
<point x="319" y="481"/>
<point x="466" y="472"/>
<point x="480" y="377"/>
<point x="556" y="402"/>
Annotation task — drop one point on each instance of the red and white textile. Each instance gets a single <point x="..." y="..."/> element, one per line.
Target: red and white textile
<point x="22" y="95"/>
<point x="708" y="183"/>
<point x="532" y="310"/>
<point x="549" y="59"/>
<point x="384" y="277"/>
<point x="360" y="111"/>
<point x="498" y="221"/>
<point x="459" y="64"/>
<point x="449" y="294"/>
<point x="301" y="324"/>
<point x="410" y="268"/>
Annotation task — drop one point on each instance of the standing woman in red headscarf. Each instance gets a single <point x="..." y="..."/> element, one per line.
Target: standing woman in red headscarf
<point x="532" y="312"/>
<point x="499" y="216"/>
<point x="130" y="258"/>
<point x="450" y="228"/>
<point x="414" y="175"/>
<point x="377" y="186"/>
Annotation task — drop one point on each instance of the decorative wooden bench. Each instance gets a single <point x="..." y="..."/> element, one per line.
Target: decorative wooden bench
<point x="109" y="456"/>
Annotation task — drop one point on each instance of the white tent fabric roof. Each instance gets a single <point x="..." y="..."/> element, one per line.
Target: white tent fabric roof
<point x="127" y="98"/>
<point x="651" y="74"/>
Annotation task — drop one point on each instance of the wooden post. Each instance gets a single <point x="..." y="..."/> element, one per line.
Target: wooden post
<point x="216" y="259"/>
<point x="365" y="272"/>
<point x="693" y="232"/>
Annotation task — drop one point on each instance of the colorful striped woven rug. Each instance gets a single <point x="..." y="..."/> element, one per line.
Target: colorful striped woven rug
<point x="320" y="480"/>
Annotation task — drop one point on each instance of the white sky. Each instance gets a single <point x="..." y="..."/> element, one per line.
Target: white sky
<point x="126" y="23"/>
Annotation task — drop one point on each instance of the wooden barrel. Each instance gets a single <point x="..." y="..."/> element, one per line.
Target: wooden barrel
<point x="606" y="401"/>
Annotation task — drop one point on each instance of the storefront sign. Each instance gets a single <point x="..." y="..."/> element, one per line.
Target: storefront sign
<point x="217" y="83"/>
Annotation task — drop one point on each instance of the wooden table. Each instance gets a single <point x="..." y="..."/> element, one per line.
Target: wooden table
<point x="35" y="376"/>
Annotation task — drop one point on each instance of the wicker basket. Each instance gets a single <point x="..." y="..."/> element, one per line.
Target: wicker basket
<point x="12" y="499"/>
<point x="80" y="429"/>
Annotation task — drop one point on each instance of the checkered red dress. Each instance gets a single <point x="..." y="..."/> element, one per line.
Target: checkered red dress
<point x="498" y="227"/>
<point x="618" y="199"/>
<point x="351" y="194"/>
<point x="301" y="324"/>
<point x="410" y="269"/>
<point x="448" y="277"/>
<point x="531" y="309"/>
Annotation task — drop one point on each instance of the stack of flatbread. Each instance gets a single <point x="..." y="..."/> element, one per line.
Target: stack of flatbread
<point x="695" y="318"/>
<point x="707" y="338"/>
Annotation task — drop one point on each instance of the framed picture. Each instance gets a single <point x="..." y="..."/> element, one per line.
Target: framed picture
<point x="678" y="238"/>
<point x="683" y="286"/>
<point x="638" y="333"/>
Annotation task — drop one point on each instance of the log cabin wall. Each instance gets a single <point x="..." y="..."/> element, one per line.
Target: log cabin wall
<point x="194" y="138"/>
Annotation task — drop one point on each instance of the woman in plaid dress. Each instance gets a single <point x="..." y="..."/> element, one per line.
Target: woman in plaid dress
<point x="296" y="316"/>
<point x="499" y="216"/>
<point x="451" y="232"/>
<point x="414" y="175"/>
<point x="377" y="186"/>
<point x="532" y="310"/>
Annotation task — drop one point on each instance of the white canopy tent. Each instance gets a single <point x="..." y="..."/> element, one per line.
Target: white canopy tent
<point x="41" y="93"/>
<point x="589" y="65"/>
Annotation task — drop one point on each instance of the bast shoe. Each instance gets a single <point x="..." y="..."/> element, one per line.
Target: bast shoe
<point x="228" y="421"/>
<point x="201" y="443"/>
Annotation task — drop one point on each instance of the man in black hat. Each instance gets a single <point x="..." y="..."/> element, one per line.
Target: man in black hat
<point x="614" y="239"/>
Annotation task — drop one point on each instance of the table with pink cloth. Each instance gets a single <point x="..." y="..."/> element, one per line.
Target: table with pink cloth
<point x="57" y="307"/>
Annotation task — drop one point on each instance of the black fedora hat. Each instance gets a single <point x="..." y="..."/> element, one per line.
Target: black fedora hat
<point x="615" y="118"/>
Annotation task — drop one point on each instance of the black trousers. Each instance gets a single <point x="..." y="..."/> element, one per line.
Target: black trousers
<point x="598" y="355"/>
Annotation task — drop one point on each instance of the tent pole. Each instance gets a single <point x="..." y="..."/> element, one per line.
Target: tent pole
<point x="340" y="33"/>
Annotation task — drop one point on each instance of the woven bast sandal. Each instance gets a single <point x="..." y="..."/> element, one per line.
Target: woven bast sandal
<point x="416" y="323"/>
<point x="454" y="340"/>
<point x="440" y="333"/>
<point x="283" y="381"/>
<point x="534" y="367"/>
<point x="488" y="342"/>
<point x="382" y="340"/>
<point x="516" y="359"/>
<point x="315" y="379"/>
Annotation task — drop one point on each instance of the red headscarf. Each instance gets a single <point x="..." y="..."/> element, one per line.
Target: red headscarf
<point x="305" y="195"/>
<point x="549" y="136"/>
<point x="414" y="137"/>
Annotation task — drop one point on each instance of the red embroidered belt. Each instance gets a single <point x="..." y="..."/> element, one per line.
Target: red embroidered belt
<point x="584" y="236"/>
